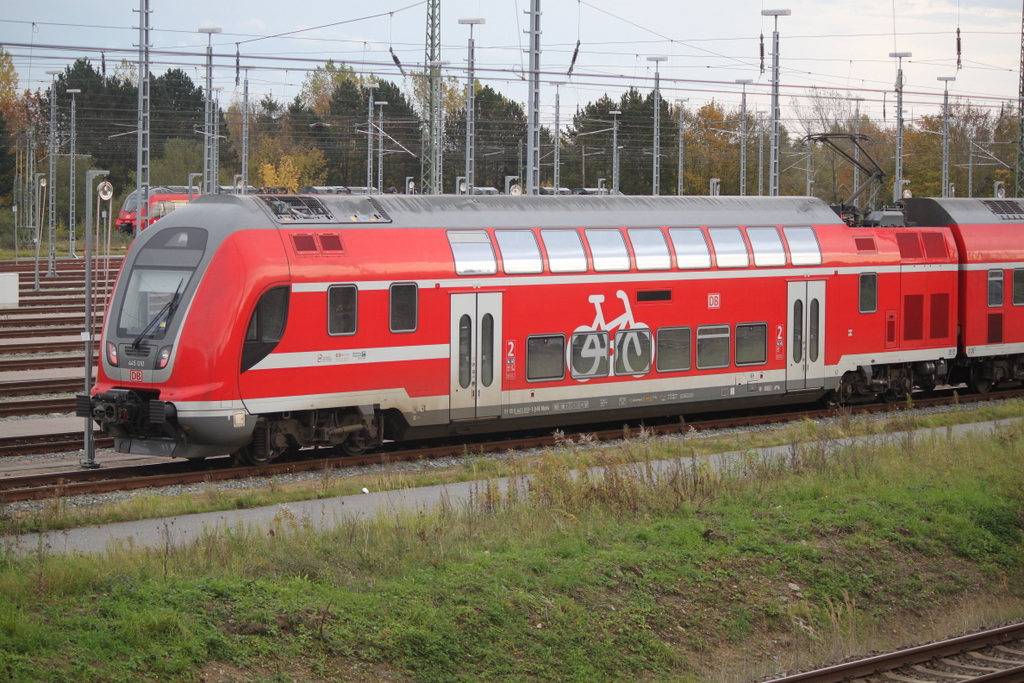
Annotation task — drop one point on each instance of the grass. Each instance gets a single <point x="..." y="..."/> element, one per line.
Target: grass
<point x="702" y="570"/>
<point x="57" y="514"/>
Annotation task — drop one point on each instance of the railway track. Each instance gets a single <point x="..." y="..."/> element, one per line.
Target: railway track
<point x="77" y="482"/>
<point x="39" y="406"/>
<point x="45" y="363"/>
<point x="989" y="656"/>
<point x="33" y="387"/>
<point x="48" y="443"/>
<point x="54" y="331"/>
<point x="42" y="347"/>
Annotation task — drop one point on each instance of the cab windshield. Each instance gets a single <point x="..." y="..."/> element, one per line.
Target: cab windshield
<point x="158" y="280"/>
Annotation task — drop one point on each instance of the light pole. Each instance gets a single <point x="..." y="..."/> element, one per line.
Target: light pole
<point x="945" y="133"/>
<point x="773" y="183"/>
<point x="38" y="211"/>
<point x="51" y="255"/>
<point x="470" y="107"/>
<point x="743" y="135"/>
<point x="657" y="59"/>
<point x="380" y="145"/>
<point x="682" y="167"/>
<point x="898" y="184"/>
<point x="369" y="134"/>
<point x="90" y="446"/>
<point x="208" y="162"/>
<point x="71" y="173"/>
<point x="615" y="150"/>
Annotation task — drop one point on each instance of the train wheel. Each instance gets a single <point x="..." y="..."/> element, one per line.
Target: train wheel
<point x="357" y="443"/>
<point x="980" y="384"/>
<point x="843" y="393"/>
<point x="252" y="456"/>
<point x="259" y="451"/>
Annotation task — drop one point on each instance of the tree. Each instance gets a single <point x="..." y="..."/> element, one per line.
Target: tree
<point x="181" y="156"/>
<point x="319" y="85"/>
<point x="7" y="159"/>
<point x="8" y="85"/>
<point x="294" y="171"/>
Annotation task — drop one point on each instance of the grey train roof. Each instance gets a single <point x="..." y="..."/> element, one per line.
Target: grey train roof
<point x="455" y="211"/>
<point x="963" y="211"/>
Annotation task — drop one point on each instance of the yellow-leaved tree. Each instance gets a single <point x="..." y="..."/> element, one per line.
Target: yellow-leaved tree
<point x="293" y="171"/>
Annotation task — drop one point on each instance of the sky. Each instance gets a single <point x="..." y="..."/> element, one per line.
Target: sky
<point x="834" y="45"/>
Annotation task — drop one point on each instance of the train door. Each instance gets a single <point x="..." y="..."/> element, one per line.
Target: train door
<point x="475" y="355"/>
<point x="805" y="368"/>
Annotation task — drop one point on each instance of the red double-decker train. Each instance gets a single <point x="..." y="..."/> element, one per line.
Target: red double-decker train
<point x="254" y="325"/>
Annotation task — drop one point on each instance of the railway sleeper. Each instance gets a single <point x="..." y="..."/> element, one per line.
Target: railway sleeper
<point x="354" y="430"/>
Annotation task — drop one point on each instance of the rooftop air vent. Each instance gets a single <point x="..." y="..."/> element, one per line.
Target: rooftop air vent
<point x="1007" y="209"/>
<point x="297" y="209"/>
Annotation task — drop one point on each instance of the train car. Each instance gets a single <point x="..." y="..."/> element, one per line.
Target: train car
<point x="254" y="325"/>
<point x="989" y="234"/>
<point x="162" y="200"/>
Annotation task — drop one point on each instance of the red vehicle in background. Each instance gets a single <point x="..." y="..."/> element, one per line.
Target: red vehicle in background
<point x="163" y="199"/>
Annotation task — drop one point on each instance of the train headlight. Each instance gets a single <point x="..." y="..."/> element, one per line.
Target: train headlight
<point x="112" y="353"/>
<point x="163" y="358"/>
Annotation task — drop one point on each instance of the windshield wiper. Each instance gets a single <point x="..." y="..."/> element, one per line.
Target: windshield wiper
<point x="167" y="309"/>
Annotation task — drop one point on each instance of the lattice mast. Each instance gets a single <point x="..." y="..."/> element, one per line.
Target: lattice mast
<point x="432" y="67"/>
<point x="142" y="145"/>
<point x="1019" y="176"/>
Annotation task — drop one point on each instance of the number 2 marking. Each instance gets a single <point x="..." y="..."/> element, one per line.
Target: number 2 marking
<point x="511" y="348"/>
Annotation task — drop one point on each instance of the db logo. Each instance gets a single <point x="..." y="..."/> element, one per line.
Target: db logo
<point x="135" y="375"/>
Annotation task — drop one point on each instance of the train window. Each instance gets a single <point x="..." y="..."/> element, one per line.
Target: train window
<point x="304" y="244"/>
<point x="712" y="347"/>
<point x="266" y="326"/>
<point x="633" y="352"/>
<point x="868" y="292"/>
<point x="545" y="357"/>
<point x="403" y="307"/>
<point x="909" y="244"/>
<point x="331" y="242"/>
<point x="565" y="251"/>
<point x="995" y="288"/>
<point x="519" y="251"/>
<point x="803" y="246"/>
<point x="473" y="252"/>
<point x="650" y="249"/>
<point x="798" y="330"/>
<point x="487" y="350"/>
<point x="752" y="344"/>
<point x="691" y="248"/>
<point x="673" y="349"/>
<point x="934" y="244"/>
<point x="465" y="351"/>
<point x="608" y="249"/>
<point x="813" y="325"/>
<point x="158" y="281"/>
<point x="730" y="249"/>
<point x="1018" y="287"/>
<point x="767" y="246"/>
<point x="342" y="301"/>
<point x="589" y="355"/>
